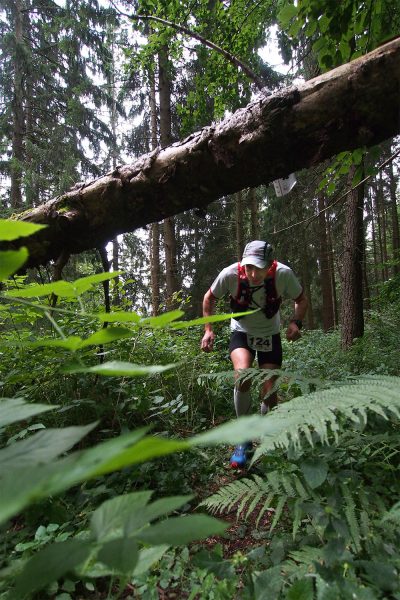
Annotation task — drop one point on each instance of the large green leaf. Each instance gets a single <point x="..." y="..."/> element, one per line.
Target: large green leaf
<point x="162" y="506"/>
<point x="105" y="336"/>
<point x="109" y="519"/>
<point x="11" y="261"/>
<point x="59" y="288"/>
<point x="49" y="564"/>
<point x="65" y="289"/>
<point x="121" y="554"/>
<point x="120" y="368"/>
<point x="146" y="558"/>
<point x="145" y="449"/>
<point x="85" y="283"/>
<point x="162" y="320"/>
<point x="213" y="563"/>
<point x="315" y="472"/>
<point x="74" y="342"/>
<point x="177" y="531"/>
<point x="26" y="485"/>
<point x="268" y="584"/>
<point x="12" y="230"/>
<point x="287" y="13"/>
<point x="239" y="431"/>
<point x="125" y="515"/>
<point x="41" y="447"/>
<point x="211" y="319"/>
<point x="13" y="410"/>
<point x="118" y="317"/>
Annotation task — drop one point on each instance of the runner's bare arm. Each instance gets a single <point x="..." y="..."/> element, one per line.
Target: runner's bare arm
<point x="207" y="341"/>
<point x="300" y="309"/>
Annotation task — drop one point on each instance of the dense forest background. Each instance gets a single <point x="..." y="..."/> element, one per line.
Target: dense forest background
<point x="96" y="346"/>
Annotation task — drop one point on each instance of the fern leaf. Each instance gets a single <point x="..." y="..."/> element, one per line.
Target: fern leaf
<point x="274" y="480"/>
<point x="278" y="511"/>
<point x="321" y="413"/>
<point x="266" y="507"/>
<point x="245" y="500"/>
<point x="306" y="556"/>
<point x="350" y="512"/>
<point x="297" y="514"/>
<point x="252" y="505"/>
<point x="287" y="484"/>
<point x="301" y="491"/>
<point x="364" y="516"/>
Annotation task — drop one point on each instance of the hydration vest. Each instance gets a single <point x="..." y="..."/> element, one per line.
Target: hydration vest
<point x="244" y="295"/>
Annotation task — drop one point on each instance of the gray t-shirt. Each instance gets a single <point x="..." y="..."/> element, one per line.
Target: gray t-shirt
<point x="287" y="286"/>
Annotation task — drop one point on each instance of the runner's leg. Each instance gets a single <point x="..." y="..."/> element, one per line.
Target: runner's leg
<point x="270" y="360"/>
<point x="268" y="400"/>
<point x="242" y="359"/>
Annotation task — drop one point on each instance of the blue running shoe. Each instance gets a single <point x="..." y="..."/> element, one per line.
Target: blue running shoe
<point x="240" y="456"/>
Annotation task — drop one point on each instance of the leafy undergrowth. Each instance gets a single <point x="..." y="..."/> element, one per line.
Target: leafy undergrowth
<point x="114" y="461"/>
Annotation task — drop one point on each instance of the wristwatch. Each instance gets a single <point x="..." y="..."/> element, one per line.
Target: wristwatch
<point x="298" y="322"/>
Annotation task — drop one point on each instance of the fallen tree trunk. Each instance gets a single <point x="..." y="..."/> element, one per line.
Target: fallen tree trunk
<point x="352" y="106"/>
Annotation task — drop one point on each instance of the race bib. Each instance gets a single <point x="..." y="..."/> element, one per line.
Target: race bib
<point x="260" y="344"/>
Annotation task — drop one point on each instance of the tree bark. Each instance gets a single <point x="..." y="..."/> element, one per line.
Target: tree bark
<point x="17" y="110"/>
<point x="379" y="227"/>
<point x="164" y="80"/>
<point x="354" y="105"/>
<point x="352" y="316"/>
<point x="332" y="273"/>
<point x="254" y="220"/>
<point x="239" y="204"/>
<point x="395" y="222"/>
<point x="328" y="319"/>
<point x="155" y="227"/>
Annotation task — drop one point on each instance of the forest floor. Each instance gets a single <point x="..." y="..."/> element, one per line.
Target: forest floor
<point x="240" y="537"/>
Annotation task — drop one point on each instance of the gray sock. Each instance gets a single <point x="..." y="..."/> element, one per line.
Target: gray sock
<point x="242" y="402"/>
<point x="264" y="408"/>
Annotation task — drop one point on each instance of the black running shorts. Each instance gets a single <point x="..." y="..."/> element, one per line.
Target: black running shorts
<point x="244" y="340"/>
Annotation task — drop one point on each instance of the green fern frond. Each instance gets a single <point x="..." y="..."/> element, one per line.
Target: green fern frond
<point x="252" y="505"/>
<point x="350" y="512"/>
<point x="229" y="496"/>
<point x="278" y="511"/>
<point x="258" y="495"/>
<point x="267" y="507"/>
<point x="297" y="514"/>
<point x="306" y="556"/>
<point x="392" y="515"/>
<point x="320" y="415"/>
<point x="364" y="514"/>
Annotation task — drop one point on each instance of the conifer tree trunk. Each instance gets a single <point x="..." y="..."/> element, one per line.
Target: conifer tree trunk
<point x="254" y="220"/>
<point x="332" y="274"/>
<point x="155" y="227"/>
<point x="306" y="281"/>
<point x="239" y="224"/>
<point x="352" y="316"/>
<point x="377" y="272"/>
<point x="328" y="319"/>
<point x="304" y="266"/>
<point x="379" y="231"/>
<point x="395" y="222"/>
<point x="17" y="109"/>
<point x="382" y="203"/>
<point x="116" y="300"/>
<point x="171" y="271"/>
<point x="32" y="192"/>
